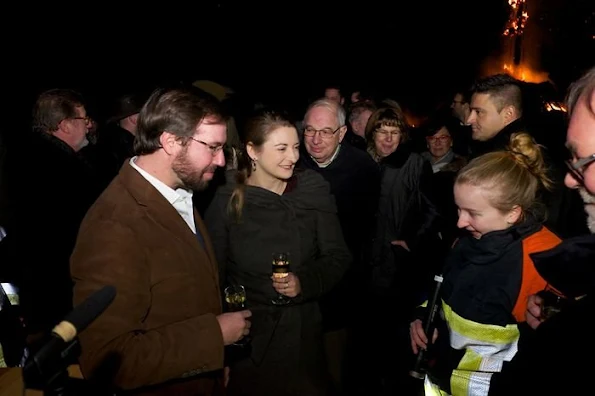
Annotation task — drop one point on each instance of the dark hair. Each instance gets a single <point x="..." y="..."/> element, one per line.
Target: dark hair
<point x="356" y="109"/>
<point x="440" y="120"/>
<point x="333" y="85"/>
<point x="256" y="130"/>
<point x="124" y="106"/>
<point x="54" y="106"/>
<point x="178" y="111"/>
<point x="463" y="88"/>
<point x="504" y="90"/>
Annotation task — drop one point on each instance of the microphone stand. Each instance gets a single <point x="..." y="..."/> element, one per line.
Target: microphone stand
<point x="46" y="368"/>
<point x="60" y="386"/>
<point x="52" y="377"/>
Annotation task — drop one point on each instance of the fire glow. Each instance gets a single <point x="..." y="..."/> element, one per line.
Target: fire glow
<point x="514" y="30"/>
<point x="555" y="106"/>
<point x="525" y="73"/>
<point x="518" y="18"/>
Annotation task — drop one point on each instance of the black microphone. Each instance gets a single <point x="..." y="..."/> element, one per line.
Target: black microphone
<point x="47" y="364"/>
<point x="419" y="368"/>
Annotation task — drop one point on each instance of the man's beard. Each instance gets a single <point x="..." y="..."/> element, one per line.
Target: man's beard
<point x="589" y="201"/>
<point x="190" y="177"/>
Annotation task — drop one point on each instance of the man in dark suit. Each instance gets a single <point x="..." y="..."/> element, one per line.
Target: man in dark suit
<point x="354" y="180"/>
<point x="164" y="334"/>
<point x="43" y="211"/>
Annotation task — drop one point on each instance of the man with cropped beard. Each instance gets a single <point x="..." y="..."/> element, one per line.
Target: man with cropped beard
<point x="165" y="332"/>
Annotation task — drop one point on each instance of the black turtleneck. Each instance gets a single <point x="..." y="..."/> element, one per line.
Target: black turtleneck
<point x="482" y="277"/>
<point x="500" y="141"/>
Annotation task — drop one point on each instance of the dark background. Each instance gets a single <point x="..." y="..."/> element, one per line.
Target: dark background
<point x="416" y="51"/>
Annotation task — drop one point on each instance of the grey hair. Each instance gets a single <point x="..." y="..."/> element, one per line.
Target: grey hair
<point x="584" y="86"/>
<point x="330" y="105"/>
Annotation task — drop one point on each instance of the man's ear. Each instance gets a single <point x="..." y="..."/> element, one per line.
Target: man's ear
<point x="169" y="142"/>
<point x="342" y="132"/>
<point x="63" y="126"/>
<point x="510" y="113"/>
<point x="134" y="118"/>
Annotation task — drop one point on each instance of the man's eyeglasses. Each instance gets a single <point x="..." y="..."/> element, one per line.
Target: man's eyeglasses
<point x="214" y="149"/>
<point x="577" y="168"/>
<point x="325" y="133"/>
<point x="86" y="119"/>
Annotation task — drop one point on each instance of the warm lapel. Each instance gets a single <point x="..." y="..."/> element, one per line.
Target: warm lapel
<point x="162" y="212"/>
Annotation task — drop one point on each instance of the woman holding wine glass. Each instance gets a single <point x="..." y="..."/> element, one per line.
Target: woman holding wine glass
<point x="268" y="213"/>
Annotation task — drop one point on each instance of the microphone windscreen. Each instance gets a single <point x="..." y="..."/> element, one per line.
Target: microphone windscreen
<point x="86" y="312"/>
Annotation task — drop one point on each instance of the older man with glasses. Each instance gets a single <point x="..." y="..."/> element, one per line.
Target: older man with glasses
<point x="354" y="179"/>
<point x="576" y="179"/>
<point x="551" y="360"/>
<point x="324" y="129"/>
<point x="49" y="188"/>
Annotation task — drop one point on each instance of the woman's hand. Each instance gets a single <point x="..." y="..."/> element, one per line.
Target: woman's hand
<point x="288" y="286"/>
<point x="418" y="336"/>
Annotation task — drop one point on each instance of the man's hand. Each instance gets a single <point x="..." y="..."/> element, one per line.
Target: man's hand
<point x="533" y="313"/>
<point x="234" y="325"/>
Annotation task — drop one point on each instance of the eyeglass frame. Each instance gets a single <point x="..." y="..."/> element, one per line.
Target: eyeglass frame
<point x="384" y="133"/>
<point x="87" y="119"/>
<point x="574" y="167"/>
<point x="324" y="133"/>
<point x="213" y="149"/>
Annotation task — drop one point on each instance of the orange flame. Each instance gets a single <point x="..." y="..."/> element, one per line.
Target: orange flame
<point x="525" y="73"/>
<point x="556" y="106"/>
<point x="516" y="23"/>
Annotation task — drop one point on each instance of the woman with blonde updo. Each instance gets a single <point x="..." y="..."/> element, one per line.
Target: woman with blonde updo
<point x="489" y="274"/>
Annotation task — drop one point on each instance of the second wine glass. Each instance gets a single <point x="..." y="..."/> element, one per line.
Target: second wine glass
<point x="235" y="297"/>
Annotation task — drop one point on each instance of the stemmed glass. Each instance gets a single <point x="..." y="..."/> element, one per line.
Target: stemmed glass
<point x="551" y="303"/>
<point x="281" y="270"/>
<point x="235" y="297"/>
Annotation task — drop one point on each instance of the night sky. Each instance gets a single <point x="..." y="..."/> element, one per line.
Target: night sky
<point x="416" y="51"/>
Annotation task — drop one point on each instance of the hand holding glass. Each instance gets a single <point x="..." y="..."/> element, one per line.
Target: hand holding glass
<point x="281" y="270"/>
<point x="235" y="297"/>
<point x="551" y="303"/>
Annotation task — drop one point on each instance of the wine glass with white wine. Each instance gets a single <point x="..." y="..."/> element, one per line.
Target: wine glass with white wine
<point x="235" y="297"/>
<point x="281" y="269"/>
